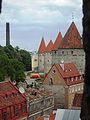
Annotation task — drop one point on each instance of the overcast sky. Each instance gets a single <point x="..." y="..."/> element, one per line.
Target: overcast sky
<point x="32" y="19"/>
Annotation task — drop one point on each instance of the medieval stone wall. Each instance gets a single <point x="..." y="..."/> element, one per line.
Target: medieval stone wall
<point x="41" y="62"/>
<point x="77" y="56"/>
<point x="47" y="62"/>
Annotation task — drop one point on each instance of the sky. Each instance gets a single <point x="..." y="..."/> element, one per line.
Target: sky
<point x="30" y="20"/>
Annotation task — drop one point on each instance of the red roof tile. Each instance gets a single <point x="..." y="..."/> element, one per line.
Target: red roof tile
<point x="8" y="95"/>
<point x="77" y="100"/>
<point x="69" y="71"/>
<point x="49" y="47"/>
<point x="42" y="46"/>
<point x="72" y="38"/>
<point x="57" y="43"/>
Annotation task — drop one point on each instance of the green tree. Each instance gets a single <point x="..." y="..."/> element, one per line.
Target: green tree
<point x="16" y="70"/>
<point x="3" y="66"/>
<point x="26" y="59"/>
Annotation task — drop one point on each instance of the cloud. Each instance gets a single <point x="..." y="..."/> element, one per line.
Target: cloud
<point x="39" y="11"/>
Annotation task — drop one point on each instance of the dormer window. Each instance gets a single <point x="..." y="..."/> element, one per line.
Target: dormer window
<point x="65" y="70"/>
<point x="72" y="79"/>
<point x="70" y="70"/>
<point x="76" y="78"/>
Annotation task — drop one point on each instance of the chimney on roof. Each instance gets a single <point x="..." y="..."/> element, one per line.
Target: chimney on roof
<point x="7" y="34"/>
<point x="46" y="117"/>
<point x="62" y="64"/>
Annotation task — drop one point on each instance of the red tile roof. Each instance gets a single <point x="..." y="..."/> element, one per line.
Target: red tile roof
<point x="8" y="95"/>
<point x="35" y="76"/>
<point x="57" y="43"/>
<point x="77" y="100"/>
<point x="52" y="117"/>
<point x="49" y="47"/>
<point x="69" y="71"/>
<point x="72" y="38"/>
<point x="42" y="46"/>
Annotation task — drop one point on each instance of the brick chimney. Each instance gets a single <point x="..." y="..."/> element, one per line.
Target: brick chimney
<point x="7" y="34"/>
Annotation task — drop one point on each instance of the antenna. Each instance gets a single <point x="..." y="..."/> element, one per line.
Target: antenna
<point x="72" y="16"/>
<point x="21" y="90"/>
<point x="14" y="82"/>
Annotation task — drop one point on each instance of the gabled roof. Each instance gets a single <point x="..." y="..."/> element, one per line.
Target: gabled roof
<point x="49" y="47"/>
<point x="57" y="42"/>
<point x="42" y="46"/>
<point x="72" y="38"/>
<point x="8" y="95"/>
<point x="70" y="70"/>
<point x="77" y="100"/>
<point x="66" y="72"/>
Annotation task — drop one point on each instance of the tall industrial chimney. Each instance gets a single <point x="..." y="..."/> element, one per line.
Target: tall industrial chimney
<point x="7" y="34"/>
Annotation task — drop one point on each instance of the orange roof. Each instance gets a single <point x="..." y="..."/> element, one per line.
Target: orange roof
<point x="52" y="117"/>
<point x="77" y="100"/>
<point x="42" y="46"/>
<point x="57" y="43"/>
<point x="72" y="38"/>
<point x="8" y="95"/>
<point x="69" y="71"/>
<point x="35" y="76"/>
<point x="49" y="47"/>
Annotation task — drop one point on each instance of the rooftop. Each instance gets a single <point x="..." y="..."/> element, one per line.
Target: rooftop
<point x="72" y="38"/>
<point x="42" y="47"/>
<point x="49" y="47"/>
<point x="9" y="95"/>
<point x="68" y="72"/>
<point x="36" y="94"/>
<point x="57" y="42"/>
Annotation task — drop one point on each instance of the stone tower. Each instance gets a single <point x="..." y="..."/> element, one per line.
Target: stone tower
<point x="7" y="34"/>
<point x="41" y="55"/>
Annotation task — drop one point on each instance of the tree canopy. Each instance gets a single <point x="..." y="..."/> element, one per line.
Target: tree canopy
<point x="13" y="63"/>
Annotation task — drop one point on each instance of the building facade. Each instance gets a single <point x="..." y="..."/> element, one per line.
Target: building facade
<point x="40" y="102"/>
<point x="64" y="80"/>
<point x="69" y="48"/>
<point x="13" y="105"/>
<point x="34" y="62"/>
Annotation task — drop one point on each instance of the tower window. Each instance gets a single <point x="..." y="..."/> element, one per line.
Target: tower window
<point x="71" y="52"/>
<point x="35" y="59"/>
<point x="62" y="52"/>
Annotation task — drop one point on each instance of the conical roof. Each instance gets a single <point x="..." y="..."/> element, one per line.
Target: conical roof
<point x="72" y="38"/>
<point x="42" y="47"/>
<point x="57" y="42"/>
<point x="49" y="47"/>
